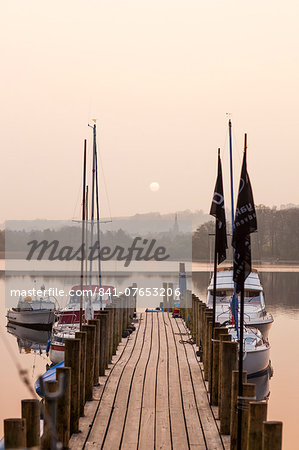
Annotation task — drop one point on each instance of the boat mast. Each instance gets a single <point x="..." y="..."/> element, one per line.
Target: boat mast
<point x="98" y="224"/>
<point x="88" y="312"/>
<point x="82" y="235"/>
<point x="86" y="236"/>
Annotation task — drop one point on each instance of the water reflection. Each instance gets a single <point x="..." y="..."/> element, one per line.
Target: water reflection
<point x="29" y="340"/>
<point x="262" y="386"/>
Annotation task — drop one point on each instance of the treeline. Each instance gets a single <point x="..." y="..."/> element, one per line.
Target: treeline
<point x="277" y="238"/>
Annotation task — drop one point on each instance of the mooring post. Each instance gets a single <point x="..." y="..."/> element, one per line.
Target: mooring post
<point x="193" y="324"/>
<point x="90" y="360"/>
<point x="110" y="329"/>
<point x="207" y="315"/>
<point x="215" y="364"/>
<point x="272" y="435"/>
<point x="82" y="335"/>
<point x="211" y="379"/>
<point x="72" y="359"/>
<point x="134" y="300"/>
<point x="257" y="415"/>
<point x="249" y="394"/>
<point x="209" y="320"/>
<point x="203" y="308"/>
<point x="115" y="326"/>
<point x="165" y="299"/>
<point x="64" y="407"/>
<point x="228" y="356"/>
<point x="97" y="348"/>
<point x="14" y="433"/>
<point x="223" y="338"/>
<point x="31" y="413"/>
<point x="234" y="407"/>
<point x="170" y="296"/>
<point x="49" y="421"/>
<point x="103" y="316"/>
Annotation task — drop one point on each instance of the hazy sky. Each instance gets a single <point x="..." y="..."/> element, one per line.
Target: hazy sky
<point x="159" y="76"/>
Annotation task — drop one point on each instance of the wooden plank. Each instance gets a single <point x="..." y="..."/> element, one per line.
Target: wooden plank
<point x="163" y="432"/>
<point x="148" y="412"/>
<point x="196" y="437"/>
<point x="116" y="423"/>
<point x="131" y="426"/>
<point x="77" y="440"/>
<point x="178" y="429"/>
<point x="211" y="432"/>
<point x="101" y="421"/>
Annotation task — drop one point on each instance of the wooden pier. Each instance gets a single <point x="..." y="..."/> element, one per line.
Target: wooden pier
<point x="154" y="395"/>
<point x="147" y="389"/>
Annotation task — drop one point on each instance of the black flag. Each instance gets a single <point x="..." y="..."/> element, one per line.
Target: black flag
<point x="245" y="224"/>
<point x="218" y="211"/>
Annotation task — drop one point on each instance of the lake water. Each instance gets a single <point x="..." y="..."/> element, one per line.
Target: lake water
<point x="282" y="300"/>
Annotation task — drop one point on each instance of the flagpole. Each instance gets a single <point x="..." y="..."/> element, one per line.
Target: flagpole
<point x="216" y="250"/>
<point x="240" y="387"/>
<point x="234" y="301"/>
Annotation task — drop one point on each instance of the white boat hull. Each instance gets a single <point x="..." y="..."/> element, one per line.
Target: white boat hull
<point x="32" y="318"/>
<point x="56" y="353"/>
<point x="256" y="361"/>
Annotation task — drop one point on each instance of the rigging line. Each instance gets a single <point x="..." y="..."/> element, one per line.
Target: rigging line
<point x="23" y="373"/>
<point x="105" y="184"/>
<point x="77" y="201"/>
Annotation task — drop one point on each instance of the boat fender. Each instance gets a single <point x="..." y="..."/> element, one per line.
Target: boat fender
<point x="48" y="346"/>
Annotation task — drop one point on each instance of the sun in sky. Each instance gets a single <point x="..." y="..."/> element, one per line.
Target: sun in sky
<point x="154" y="186"/>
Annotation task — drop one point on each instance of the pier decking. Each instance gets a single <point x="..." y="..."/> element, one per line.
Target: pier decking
<point x="153" y="395"/>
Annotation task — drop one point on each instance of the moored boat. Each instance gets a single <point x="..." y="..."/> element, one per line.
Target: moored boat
<point x="38" y="313"/>
<point x="255" y="314"/>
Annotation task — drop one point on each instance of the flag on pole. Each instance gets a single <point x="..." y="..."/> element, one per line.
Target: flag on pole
<point x="245" y="224"/>
<point x="217" y="210"/>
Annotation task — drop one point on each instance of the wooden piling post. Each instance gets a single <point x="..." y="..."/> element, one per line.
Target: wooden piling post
<point x="97" y="351"/>
<point x="248" y="395"/>
<point x="208" y="325"/>
<point x="257" y="415"/>
<point x="82" y="335"/>
<point x="104" y="340"/>
<point x="272" y="435"/>
<point x="72" y="359"/>
<point x="215" y="366"/>
<point x="234" y="407"/>
<point x="46" y="440"/>
<point x="171" y="296"/>
<point x="31" y="413"/>
<point x="110" y="329"/>
<point x="64" y="407"/>
<point x="208" y="315"/>
<point x="210" y="334"/>
<point x="229" y="360"/>
<point x="203" y="308"/>
<point x="134" y="301"/>
<point x="223" y="338"/>
<point x="15" y="433"/>
<point x="90" y="356"/>
<point x="115" y="327"/>
<point x="165" y="299"/>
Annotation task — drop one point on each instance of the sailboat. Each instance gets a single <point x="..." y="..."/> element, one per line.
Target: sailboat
<point x="86" y="300"/>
